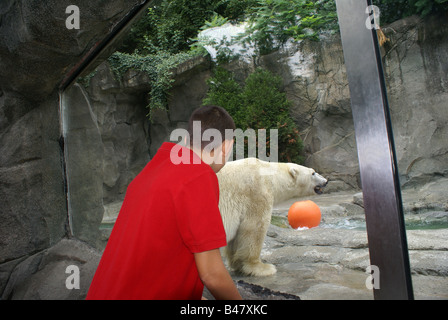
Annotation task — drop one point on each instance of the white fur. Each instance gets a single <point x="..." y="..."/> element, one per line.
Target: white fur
<point x="249" y="188"/>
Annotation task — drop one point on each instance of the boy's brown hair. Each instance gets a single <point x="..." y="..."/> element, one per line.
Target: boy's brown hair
<point x="210" y="117"/>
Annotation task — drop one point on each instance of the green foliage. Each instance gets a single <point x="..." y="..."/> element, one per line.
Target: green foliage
<point x="158" y="67"/>
<point x="258" y="105"/>
<point x="276" y="21"/>
<point x="425" y="7"/>
<point x="392" y="10"/>
<point x="236" y="10"/>
<point x="168" y="26"/>
<point x="224" y="91"/>
<point x="85" y="80"/>
<point x="216" y="21"/>
<point x="172" y="24"/>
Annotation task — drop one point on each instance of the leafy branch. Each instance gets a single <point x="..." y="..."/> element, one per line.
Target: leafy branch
<point x="159" y="68"/>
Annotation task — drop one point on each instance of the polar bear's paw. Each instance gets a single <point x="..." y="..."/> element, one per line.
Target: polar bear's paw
<point x="258" y="269"/>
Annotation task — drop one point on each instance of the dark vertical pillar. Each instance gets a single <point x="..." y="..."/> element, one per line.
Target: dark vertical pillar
<point x="378" y="167"/>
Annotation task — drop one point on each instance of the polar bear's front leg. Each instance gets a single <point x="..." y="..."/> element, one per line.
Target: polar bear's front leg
<point x="243" y="252"/>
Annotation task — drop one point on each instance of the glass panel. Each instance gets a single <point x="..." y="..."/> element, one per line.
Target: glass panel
<point x="106" y="147"/>
<point x="109" y="139"/>
<point x="415" y="63"/>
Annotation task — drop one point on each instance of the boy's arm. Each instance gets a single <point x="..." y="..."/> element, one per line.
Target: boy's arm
<point x="215" y="276"/>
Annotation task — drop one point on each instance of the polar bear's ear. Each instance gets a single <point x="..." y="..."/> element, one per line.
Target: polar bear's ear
<point x="293" y="172"/>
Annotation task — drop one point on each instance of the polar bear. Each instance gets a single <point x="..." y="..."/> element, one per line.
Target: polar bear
<point x="249" y="188"/>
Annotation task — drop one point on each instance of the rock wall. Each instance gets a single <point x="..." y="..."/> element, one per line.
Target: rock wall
<point x="415" y="61"/>
<point x="187" y="93"/>
<point x="315" y="82"/>
<point x="36" y="53"/>
<point x="105" y="130"/>
<point x="119" y="113"/>
<point x="416" y="67"/>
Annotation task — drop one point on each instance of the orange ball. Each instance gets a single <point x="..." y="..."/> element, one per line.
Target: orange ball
<point x="304" y="214"/>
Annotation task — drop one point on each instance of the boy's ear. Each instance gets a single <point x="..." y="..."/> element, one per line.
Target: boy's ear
<point x="227" y="146"/>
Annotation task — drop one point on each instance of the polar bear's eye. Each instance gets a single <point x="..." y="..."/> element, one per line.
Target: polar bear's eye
<point x="313" y="173"/>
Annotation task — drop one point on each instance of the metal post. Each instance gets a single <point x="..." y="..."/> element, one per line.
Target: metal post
<point x="378" y="166"/>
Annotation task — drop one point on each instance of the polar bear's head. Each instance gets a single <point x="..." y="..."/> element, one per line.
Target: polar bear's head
<point x="307" y="181"/>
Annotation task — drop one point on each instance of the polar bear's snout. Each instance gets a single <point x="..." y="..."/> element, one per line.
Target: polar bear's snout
<point x="319" y="182"/>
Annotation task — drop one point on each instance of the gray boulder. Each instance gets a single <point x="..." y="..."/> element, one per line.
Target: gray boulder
<point x="46" y="275"/>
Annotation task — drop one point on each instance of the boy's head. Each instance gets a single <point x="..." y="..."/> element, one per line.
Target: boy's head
<point x="207" y="132"/>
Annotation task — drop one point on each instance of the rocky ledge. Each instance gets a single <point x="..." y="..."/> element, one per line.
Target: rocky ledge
<point x="329" y="261"/>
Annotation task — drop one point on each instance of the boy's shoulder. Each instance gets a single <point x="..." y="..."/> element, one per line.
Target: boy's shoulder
<point x="187" y="174"/>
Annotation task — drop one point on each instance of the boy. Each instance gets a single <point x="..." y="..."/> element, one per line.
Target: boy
<point x="165" y="242"/>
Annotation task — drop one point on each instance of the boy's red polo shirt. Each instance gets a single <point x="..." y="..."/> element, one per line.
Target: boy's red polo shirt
<point x="169" y="212"/>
